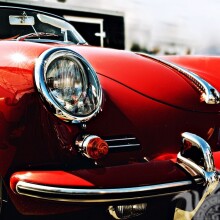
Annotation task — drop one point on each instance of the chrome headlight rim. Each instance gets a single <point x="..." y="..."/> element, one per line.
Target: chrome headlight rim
<point x="42" y="63"/>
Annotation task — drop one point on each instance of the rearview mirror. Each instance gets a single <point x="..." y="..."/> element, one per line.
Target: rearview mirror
<point x="21" y="20"/>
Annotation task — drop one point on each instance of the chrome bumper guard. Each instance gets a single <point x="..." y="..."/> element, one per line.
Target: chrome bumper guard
<point x="196" y="158"/>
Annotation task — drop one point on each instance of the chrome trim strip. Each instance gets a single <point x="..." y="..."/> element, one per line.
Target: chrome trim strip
<point x="122" y="142"/>
<point x="211" y="95"/>
<point x="98" y="195"/>
<point x="124" y="145"/>
<point x="121" y="139"/>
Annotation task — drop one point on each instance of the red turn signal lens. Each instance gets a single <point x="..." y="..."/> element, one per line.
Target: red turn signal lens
<point x="97" y="148"/>
<point x="92" y="147"/>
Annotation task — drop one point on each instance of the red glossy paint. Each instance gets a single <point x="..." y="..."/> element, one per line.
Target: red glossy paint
<point x="154" y="172"/>
<point x="50" y="178"/>
<point x="147" y="77"/>
<point x="141" y="98"/>
<point x="205" y="66"/>
<point x="216" y="156"/>
<point x="152" y="122"/>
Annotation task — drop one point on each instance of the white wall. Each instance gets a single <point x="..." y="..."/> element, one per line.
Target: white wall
<point x="195" y="23"/>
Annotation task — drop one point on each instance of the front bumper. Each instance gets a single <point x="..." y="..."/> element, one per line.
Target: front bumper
<point x="95" y="195"/>
<point x="104" y="185"/>
<point x="118" y="186"/>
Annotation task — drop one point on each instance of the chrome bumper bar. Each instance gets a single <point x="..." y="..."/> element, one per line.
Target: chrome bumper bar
<point x="95" y="195"/>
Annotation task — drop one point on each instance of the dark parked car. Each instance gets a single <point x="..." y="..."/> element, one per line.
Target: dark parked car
<point x="101" y="133"/>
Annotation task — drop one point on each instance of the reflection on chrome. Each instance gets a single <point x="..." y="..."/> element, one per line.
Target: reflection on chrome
<point x="194" y="142"/>
<point x="203" y="166"/>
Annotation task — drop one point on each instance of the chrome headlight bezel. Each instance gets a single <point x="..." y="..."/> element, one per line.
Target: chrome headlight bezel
<point x="89" y="76"/>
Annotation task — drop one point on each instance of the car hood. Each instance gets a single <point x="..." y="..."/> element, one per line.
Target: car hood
<point x="154" y="79"/>
<point x="143" y="75"/>
<point x="144" y="99"/>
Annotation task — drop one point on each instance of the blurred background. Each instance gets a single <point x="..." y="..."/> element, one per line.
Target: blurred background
<point x="155" y="27"/>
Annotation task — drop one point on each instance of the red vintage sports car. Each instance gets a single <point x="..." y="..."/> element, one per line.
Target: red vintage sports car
<point x="102" y="133"/>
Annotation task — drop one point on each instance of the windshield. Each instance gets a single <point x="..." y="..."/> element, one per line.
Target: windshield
<point x="31" y="25"/>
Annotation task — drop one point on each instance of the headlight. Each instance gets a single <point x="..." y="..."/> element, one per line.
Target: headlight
<point x="68" y="84"/>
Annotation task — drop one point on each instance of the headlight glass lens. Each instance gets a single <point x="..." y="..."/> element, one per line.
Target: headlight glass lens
<point x="69" y="85"/>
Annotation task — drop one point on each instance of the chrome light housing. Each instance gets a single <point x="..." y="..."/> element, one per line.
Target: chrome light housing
<point x="68" y="84"/>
